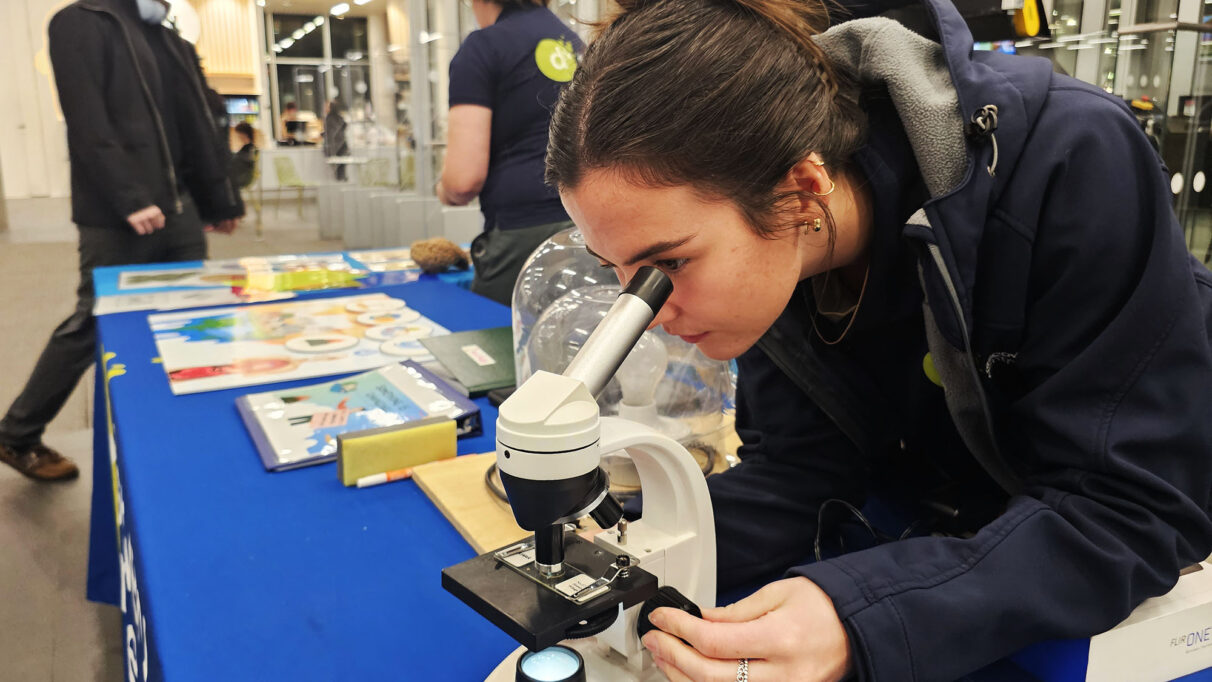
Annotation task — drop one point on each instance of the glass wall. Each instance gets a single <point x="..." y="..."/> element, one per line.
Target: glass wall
<point x="1154" y="54"/>
<point x="312" y="60"/>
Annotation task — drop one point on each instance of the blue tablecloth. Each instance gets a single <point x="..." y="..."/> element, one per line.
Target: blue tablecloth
<point x="228" y="572"/>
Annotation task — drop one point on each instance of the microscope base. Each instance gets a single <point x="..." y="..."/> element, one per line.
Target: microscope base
<point x="602" y="664"/>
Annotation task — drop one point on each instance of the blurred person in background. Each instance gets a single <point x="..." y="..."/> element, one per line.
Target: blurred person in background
<point x="291" y="125"/>
<point x="149" y="176"/>
<point x="334" y="135"/>
<point x="504" y="81"/>
<point x="243" y="167"/>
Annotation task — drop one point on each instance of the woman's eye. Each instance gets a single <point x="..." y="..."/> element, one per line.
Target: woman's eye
<point x="671" y="264"/>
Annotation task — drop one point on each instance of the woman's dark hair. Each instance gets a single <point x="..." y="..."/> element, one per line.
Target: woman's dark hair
<point x="724" y="96"/>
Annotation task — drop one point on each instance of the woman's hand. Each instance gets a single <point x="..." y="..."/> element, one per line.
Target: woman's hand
<point x="788" y="630"/>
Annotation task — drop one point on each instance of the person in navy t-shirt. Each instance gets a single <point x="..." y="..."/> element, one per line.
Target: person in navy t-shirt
<point x="504" y="82"/>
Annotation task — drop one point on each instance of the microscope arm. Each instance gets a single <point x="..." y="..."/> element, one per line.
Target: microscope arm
<point x="675" y="540"/>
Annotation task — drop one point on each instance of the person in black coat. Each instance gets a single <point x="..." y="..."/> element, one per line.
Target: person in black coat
<point x="148" y="177"/>
<point x="334" y="135"/>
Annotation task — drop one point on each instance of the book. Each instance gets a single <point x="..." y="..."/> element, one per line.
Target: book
<point x="481" y="360"/>
<point x="296" y="427"/>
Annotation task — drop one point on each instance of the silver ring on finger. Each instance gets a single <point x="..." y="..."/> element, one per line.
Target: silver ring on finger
<point x="742" y="670"/>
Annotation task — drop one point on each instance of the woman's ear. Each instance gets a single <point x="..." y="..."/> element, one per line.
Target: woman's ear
<point x="810" y="179"/>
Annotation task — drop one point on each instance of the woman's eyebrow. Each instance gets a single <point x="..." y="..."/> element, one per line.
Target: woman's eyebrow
<point x="648" y="252"/>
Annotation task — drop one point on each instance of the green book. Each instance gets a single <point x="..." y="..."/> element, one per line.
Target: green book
<point x="481" y="360"/>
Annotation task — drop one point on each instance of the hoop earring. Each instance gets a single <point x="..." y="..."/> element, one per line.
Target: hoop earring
<point x="832" y="186"/>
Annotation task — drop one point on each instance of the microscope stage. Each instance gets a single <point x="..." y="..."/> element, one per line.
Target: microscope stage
<point x="536" y="615"/>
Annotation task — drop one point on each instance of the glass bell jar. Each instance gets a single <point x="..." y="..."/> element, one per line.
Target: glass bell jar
<point x="560" y="297"/>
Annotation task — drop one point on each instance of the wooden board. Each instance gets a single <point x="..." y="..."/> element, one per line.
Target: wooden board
<point x="456" y="486"/>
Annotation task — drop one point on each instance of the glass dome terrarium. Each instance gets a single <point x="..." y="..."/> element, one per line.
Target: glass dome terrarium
<point x="560" y="297"/>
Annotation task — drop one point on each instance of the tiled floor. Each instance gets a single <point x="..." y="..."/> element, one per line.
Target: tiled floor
<point x="48" y="631"/>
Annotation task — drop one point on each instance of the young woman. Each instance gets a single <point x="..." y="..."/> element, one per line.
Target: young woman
<point x="953" y="283"/>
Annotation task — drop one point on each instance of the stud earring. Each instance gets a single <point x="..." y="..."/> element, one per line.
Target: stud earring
<point x="816" y="225"/>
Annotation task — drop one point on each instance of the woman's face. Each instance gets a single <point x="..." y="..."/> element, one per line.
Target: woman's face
<point x="729" y="284"/>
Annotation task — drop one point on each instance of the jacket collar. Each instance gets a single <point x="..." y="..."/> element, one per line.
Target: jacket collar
<point x="938" y="88"/>
<point x="123" y="8"/>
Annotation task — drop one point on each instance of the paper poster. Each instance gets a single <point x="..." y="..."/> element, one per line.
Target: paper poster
<point x="219" y="348"/>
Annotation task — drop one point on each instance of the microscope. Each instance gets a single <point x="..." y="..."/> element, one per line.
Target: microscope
<point x="578" y="608"/>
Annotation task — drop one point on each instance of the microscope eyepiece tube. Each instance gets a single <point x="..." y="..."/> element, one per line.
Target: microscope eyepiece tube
<point x="614" y="337"/>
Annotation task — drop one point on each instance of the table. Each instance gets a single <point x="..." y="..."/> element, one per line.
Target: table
<point x="226" y="571"/>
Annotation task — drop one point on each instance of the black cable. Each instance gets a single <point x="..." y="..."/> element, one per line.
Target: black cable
<point x="820" y="522"/>
<point x="491" y="481"/>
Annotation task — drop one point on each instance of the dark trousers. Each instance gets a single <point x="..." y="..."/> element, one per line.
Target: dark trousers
<point x="498" y="257"/>
<point x="71" y="348"/>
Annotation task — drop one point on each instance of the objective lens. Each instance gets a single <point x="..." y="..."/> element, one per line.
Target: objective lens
<point x="553" y="664"/>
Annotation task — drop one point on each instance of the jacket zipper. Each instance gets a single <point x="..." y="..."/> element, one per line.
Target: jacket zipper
<point x="151" y="103"/>
<point x="998" y="470"/>
<point x="984" y="122"/>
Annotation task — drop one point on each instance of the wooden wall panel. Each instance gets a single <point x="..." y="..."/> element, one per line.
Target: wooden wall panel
<point x="228" y="44"/>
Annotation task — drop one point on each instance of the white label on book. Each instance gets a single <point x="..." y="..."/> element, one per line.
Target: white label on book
<point x="478" y="355"/>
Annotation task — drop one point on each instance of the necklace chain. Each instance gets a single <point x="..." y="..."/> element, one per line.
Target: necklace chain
<point x="853" y="314"/>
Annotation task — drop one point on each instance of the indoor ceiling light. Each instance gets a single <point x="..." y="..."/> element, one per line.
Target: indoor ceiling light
<point x="339" y="9"/>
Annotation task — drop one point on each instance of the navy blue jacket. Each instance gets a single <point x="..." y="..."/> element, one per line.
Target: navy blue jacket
<point x="1076" y="414"/>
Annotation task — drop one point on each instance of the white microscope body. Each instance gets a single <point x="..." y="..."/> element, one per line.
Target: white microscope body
<point x="551" y="430"/>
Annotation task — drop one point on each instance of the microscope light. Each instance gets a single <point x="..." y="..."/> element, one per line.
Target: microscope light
<point x="553" y="664"/>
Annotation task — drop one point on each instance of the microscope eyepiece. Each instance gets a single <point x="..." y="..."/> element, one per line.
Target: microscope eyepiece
<point x="651" y="286"/>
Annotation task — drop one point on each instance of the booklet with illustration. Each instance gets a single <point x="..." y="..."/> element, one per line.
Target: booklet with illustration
<point x="295" y="427"/>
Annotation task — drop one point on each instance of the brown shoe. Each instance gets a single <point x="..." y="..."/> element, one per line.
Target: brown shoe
<point x="40" y="463"/>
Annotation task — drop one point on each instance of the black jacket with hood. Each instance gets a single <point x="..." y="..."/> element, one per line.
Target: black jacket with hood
<point x="108" y="80"/>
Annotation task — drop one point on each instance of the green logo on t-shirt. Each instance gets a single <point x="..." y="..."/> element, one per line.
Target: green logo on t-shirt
<point x="556" y="59"/>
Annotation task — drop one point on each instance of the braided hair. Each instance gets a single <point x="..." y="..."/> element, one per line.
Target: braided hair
<point x="725" y="96"/>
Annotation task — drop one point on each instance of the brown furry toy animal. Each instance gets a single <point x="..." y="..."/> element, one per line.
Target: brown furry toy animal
<point x="438" y="254"/>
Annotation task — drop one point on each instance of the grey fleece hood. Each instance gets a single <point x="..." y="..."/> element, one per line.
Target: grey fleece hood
<point x="914" y="71"/>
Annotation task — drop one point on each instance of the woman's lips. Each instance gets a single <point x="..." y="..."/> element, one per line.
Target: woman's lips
<point x="692" y="338"/>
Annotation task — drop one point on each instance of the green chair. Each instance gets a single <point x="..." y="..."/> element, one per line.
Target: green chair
<point x="288" y="178"/>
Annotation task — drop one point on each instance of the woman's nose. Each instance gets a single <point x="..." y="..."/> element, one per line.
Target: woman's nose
<point x="665" y="315"/>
